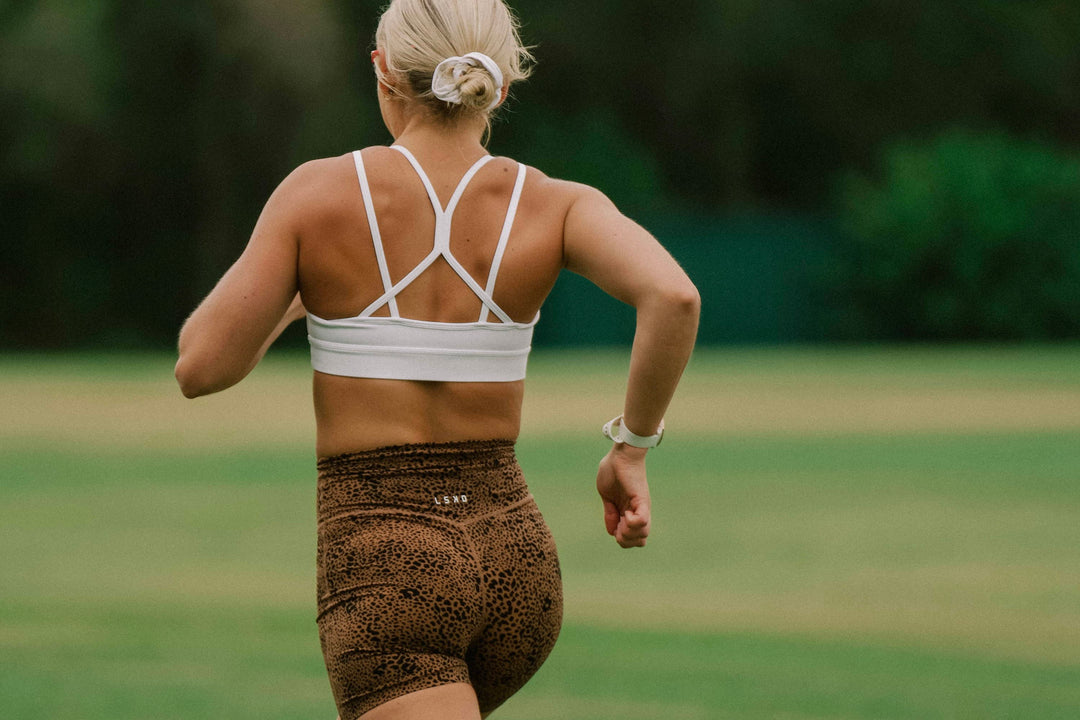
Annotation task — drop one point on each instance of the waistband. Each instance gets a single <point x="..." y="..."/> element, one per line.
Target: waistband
<point x="457" y="480"/>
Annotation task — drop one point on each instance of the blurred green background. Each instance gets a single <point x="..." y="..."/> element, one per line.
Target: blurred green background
<point x="867" y="506"/>
<point x="829" y="170"/>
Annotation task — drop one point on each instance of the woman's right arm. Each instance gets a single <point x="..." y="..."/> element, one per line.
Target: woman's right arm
<point x="626" y="262"/>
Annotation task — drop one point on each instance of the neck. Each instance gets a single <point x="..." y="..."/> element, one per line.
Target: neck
<point x="442" y="141"/>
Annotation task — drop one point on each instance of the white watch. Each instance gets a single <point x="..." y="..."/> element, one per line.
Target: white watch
<point x="617" y="432"/>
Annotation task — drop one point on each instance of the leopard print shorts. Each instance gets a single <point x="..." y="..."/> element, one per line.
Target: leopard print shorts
<point x="434" y="566"/>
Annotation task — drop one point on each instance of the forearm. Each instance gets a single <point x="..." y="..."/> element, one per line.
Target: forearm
<point x="666" y="328"/>
<point x="210" y="362"/>
<point x="295" y="312"/>
<point x="665" y="335"/>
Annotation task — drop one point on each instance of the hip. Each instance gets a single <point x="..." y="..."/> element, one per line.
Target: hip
<point x="406" y="516"/>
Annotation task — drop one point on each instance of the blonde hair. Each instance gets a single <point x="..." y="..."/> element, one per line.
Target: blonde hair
<point x="417" y="35"/>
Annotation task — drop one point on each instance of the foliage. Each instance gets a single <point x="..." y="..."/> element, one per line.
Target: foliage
<point x="604" y="156"/>
<point x="966" y="237"/>
<point x="747" y="102"/>
<point x="139" y="140"/>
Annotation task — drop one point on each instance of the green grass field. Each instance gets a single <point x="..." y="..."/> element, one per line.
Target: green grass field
<point x="839" y="534"/>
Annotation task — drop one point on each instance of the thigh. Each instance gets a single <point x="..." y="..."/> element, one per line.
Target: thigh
<point x="399" y="601"/>
<point x="446" y="702"/>
<point x="522" y="594"/>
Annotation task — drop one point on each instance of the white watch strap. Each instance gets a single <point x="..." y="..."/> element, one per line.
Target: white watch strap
<point x="617" y="432"/>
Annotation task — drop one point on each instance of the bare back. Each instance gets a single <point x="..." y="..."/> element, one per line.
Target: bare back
<point x="339" y="277"/>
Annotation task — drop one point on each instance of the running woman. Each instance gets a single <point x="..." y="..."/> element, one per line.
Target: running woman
<point x="421" y="268"/>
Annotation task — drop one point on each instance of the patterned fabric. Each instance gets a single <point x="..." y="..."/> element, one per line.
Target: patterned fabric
<point x="434" y="566"/>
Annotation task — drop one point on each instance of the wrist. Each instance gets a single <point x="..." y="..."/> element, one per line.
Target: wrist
<point x="616" y="431"/>
<point x="629" y="451"/>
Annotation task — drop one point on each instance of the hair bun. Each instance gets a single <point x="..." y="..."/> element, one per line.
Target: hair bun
<point x="478" y="90"/>
<point x="422" y="41"/>
<point x="473" y="80"/>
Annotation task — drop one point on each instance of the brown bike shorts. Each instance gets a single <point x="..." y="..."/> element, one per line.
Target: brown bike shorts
<point x="434" y="566"/>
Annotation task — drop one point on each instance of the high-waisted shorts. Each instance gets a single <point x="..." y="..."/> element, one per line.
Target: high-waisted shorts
<point x="434" y="567"/>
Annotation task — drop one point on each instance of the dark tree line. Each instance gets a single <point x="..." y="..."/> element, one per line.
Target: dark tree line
<point x="139" y="140"/>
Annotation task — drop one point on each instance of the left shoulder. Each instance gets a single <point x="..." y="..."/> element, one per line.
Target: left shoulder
<point x="315" y="187"/>
<point x="309" y="197"/>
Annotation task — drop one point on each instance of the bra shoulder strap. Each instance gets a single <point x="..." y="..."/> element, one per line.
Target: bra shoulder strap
<point x="504" y="239"/>
<point x="373" y="225"/>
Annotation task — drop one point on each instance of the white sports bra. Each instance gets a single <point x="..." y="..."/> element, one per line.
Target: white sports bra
<point x="398" y="348"/>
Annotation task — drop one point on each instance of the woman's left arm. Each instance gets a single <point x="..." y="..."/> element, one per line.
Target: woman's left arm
<point x="255" y="301"/>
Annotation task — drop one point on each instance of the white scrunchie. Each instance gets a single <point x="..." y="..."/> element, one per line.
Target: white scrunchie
<point x="448" y="73"/>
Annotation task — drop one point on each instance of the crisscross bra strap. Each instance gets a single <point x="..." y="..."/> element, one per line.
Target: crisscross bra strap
<point x="443" y="220"/>
<point x="376" y="236"/>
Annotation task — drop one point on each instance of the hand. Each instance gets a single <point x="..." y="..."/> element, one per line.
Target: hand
<point x="625" y="491"/>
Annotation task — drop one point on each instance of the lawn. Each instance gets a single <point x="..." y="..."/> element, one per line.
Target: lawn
<point x="860" y="533"/>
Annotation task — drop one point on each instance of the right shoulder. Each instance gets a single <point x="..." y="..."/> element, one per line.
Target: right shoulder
<point x="567" y="194"/>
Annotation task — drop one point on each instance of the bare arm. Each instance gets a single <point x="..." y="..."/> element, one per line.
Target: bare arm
<point x="625" y="261"/>
<point x="255" y="301"/>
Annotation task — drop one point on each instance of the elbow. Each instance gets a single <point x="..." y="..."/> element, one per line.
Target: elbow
<point x="185" y="377"/>
<point x="683" y="300"/>
<point x="676" y="302"/>
<point x="193" y="380"/>
<point x="688" y="299"/>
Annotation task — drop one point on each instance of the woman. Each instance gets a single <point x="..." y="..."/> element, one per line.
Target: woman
<point x="438" y="584"/>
